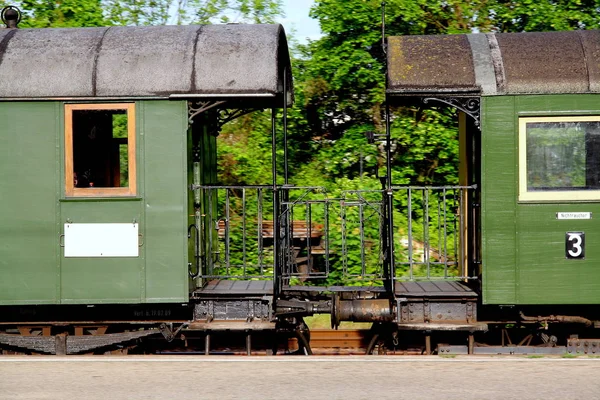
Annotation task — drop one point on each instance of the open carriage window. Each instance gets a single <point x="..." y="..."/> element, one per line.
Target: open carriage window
<point x="100" y="150"/>
<point x="559" y="158"/>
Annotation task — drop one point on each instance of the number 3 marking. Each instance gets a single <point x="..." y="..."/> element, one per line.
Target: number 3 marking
<point x="575" y="238"/>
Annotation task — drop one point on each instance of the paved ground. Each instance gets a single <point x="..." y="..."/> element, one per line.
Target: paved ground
<point x="297" y="377"/>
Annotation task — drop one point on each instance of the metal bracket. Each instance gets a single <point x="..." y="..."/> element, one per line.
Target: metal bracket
<point x="224" y="115"/>
<point x="198" y="107"/>
<point x="227" y="115"/>
<point x="168" y="332"/>
<point x="468" y="105"/>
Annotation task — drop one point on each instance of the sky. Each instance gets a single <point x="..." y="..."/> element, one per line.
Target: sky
<point x="298" y="22"/>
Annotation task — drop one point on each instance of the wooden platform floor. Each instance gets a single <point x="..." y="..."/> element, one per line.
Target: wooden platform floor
<point x="225" y="287"/>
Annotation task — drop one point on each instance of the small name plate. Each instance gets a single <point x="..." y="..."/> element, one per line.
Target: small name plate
<point x="573" y="215"/>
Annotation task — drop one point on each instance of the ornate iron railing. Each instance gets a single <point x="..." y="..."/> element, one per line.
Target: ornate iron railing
<point x="327" y="241"/>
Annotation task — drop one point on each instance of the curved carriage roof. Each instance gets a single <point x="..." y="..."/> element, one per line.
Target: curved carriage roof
<point x="494" y="64"/>
<point x="233" y="61"/>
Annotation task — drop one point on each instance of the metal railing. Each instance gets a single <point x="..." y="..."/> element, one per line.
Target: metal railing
<point x="236" y="232"/>
<point x="233" y="240"/>
<point x="432" y="238"/>
<point x="324" y="240"/>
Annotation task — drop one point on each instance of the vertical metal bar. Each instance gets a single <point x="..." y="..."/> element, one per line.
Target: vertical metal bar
<point x="198" y="220"/>
<point x="382" y="251"/>
<point x="361" y="209"/>
<point x="248" y="343"/>
<point x="383" y="46"/>
<point x="211" y="218"/>
<point x="410" y="237"/>
<point x="259" y="196"/>
<point x="472" y="343"/>
<point x="445" y="233"/>
<point x="288" y="251"/>
<point x="462" y="240"/>
<point x="439" y="231"/>
<point x="476" y="237"/>
<point x="426" y="232"/>
<point x="244" y="232"/>
<point x="207" y="343"/>
<point x="326" y="224"/>
<point x="389" y="272"/>
<point x="309" y="239"/>
<point x="227" y="226"/>
<point x="276" y="209"/>
<point x="344" y="243"/>
<point x="455" y="229"/>
<point x="283" y="260"/>
<point x="285" y="138"/>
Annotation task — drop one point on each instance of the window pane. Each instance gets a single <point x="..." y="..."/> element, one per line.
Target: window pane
<point x="563" y="155"/>
<point x="100" y="146"/>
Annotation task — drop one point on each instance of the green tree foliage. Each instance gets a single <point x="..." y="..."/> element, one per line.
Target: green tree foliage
<point x="226" y="11"/>
<point x="62" y="14"/>
<point x="530" y="15"/>
<point x="136" y="12"/>
<point x="89" y="13"/>
<point x="425" y="148"/>
<point x="244" y="150"/>
<point x="349" y="157"/>
<point x="341" y="77"/>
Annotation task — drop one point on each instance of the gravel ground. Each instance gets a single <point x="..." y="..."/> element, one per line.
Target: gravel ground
<point x="297" y="377"/>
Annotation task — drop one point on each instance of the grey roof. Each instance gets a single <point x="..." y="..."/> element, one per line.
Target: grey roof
<point x="494" y="64"/>
<point x="161" y="61"/>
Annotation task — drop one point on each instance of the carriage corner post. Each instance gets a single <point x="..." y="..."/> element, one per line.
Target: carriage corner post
<point x="501" y="260"/>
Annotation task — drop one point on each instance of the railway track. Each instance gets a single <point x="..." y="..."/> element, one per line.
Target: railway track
<point x="343" y="341"/>
<point x="350" y="342"/>
<point x="355" y="339"/>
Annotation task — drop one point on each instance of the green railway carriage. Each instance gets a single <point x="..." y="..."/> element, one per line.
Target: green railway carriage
<point x="103" y="132"/>
<point x="529" y="139"/>
<point x="112" y="219"/>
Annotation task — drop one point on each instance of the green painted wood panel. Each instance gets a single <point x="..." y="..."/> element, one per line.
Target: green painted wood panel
<point x="545" y="275"/>
<point x="28" y="202"/>
<point x="498" y="193"/>
<point x="33" y="211"/>
<point x="164" y="128"/>
<point x="99" y="280"/>
<point x="523" y="242"/>
<point x="159" y="274"/>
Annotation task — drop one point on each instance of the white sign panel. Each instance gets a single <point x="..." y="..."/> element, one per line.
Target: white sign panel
<point x="101" y="240"/>
<point x="573" y="215"/>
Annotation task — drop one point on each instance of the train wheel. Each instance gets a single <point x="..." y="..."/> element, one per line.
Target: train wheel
<point x="382" y="336"/>
<point x="303" y="336"/>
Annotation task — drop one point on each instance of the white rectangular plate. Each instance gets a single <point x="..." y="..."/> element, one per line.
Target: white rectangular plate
<point x="101" y="240"/>
<point x="573" y="215"/>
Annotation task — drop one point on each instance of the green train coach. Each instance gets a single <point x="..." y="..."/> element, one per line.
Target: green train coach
<point x="536" y="158"/>
<point x="529" y="128"/>
<point x="116" y="235"/>
<point x="104" y="132"/>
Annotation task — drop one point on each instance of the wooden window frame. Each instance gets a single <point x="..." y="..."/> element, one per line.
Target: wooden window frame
<point x="549" y="196"/>
<point x="70" y="189"/>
